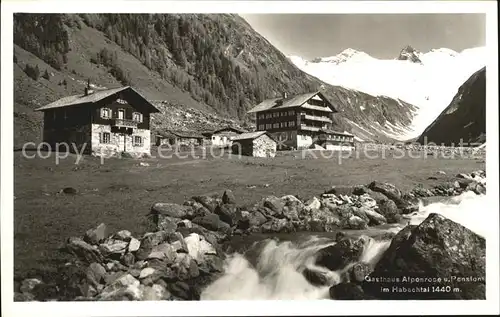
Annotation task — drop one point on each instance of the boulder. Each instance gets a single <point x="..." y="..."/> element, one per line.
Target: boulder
<point x="361" y="213"/>
<point x="256" y="219"/>
<point x="83" y="250"/>
<point x="181" y="290"/>
<point x="134" y="245"/>
<point x="151" y="239"/>
<point x="164" y="222"/>
<point x="197" y="209"/>
<point x="211" y="264"/>
<point x="212" y="222"/>
<point x="359" y="271"/>
<point x="378" y="197"/>
<point x="185" y="267"/>
<point x="477" y="188"/>
<point x="374" y="217"/>
<point x="228" y="213"/>
<point x="228" y="197"/>
<point x="23" y="297"/>
<point x="367" y="201"/>
<point x="112" y="246"/>
<point x="96" y="235"/>
<point x="155" y="292"/>
<point x="277" y="226"/>
<point x="316" y="277"/>
<point x="171" y="210"/>
<point x="293" y="207"/>
<point x="343" y="190"/>
<point x="437" y="248"/>
<point x="163" y="252"/>
<point x="422" y="192"/>
<point x="389" y="210"/>
<point x="124" y="288"/>
<point x="275" y="206"/>
<point x="95" y="274"/>
<point x="128" y="259"/>
<point x="147" y="271"/>
<point x="388" y="190"/>
<point x="123" y="235"/>
<point x="29" y="284"/>
<point x="356" y="223"/>
<point x="198" y="247"/>
<point x="339" y="255"/>
<point x="313" y="204"/>
<point x="208" y="202"/>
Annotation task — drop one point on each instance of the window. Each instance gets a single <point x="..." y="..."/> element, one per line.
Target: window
<point x="291" y="113"/>
<point x="268" y="126"/>
<point x="105" y="137"/>
<point x="268" y="115"/>
<point x="137" y="141"/>
<point x="282" y="124"/>
<point x="291" y="123"/>
<point x="105" y="113"/>
<point x="137" y="116"/>
<point x="276" y="125"/>
<point x="121" y="114"/>
<point x="261" y="127"/>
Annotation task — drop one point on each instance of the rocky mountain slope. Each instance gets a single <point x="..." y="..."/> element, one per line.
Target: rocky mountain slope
<point x="426" y="80"/>
<point x="465" y="117"/>
<point x="215" y="65"/>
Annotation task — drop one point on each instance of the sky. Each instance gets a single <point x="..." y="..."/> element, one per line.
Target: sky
<point x="379" y="35"/>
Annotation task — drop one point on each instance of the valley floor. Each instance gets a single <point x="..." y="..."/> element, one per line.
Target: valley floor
<point x="120" y="192"/>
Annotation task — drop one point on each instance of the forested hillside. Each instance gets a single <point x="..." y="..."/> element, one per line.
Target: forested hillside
<point x="215" y="63"/>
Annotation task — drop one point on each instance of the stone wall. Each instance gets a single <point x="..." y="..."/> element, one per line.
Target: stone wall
<point x="119" y="142"/>
<point x="264" y="146"/>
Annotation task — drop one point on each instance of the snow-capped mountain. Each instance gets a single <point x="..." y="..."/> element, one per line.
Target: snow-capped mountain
<point x="427" y="80"/>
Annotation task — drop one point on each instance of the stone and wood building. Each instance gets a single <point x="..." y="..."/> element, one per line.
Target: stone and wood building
<point x="257" y="144"/>
<point x="181" y="138"/>
<point x="300" y="121"/>
<point x="102" y="122"/>
<point x="224" y="137"/>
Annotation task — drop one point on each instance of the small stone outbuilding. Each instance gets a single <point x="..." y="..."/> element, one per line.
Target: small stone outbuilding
<point x="257" y="144"/>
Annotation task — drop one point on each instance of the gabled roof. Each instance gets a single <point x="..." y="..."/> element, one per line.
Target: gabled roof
<point x="229" y="128"/>
<point x="293" y="101"/>
<point x="92" y="98"/>
<point x="181" y="134"/>
<point x="251" y="135"/>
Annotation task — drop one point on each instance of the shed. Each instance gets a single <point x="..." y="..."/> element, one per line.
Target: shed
<point x="179" y="138"/>
<point x="224" y="137"/>
<point x="258" y="144"/>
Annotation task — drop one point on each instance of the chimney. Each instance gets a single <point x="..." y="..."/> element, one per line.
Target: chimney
<point x="88" y="89"/>
<point x="285" y="95"/>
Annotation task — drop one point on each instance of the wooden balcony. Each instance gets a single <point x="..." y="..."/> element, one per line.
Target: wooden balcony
<point x="124" y="123"/>
<point x="316" y="118"/>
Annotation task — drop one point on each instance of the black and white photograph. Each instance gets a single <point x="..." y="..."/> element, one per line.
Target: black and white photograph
<point x="247" y="151"/>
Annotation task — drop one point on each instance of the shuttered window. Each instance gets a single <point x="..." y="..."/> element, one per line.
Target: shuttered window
<point x="104" y="137"/>
<point x="137" y="141"/>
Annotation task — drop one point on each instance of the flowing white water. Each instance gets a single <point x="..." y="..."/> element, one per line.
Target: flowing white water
<point x="464" y="209"/>
<point x="277" y="274"/>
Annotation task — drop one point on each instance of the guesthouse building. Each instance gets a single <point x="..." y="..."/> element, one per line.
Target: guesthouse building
<point x="300" y="121"/>
<point x="102" y="122"/>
